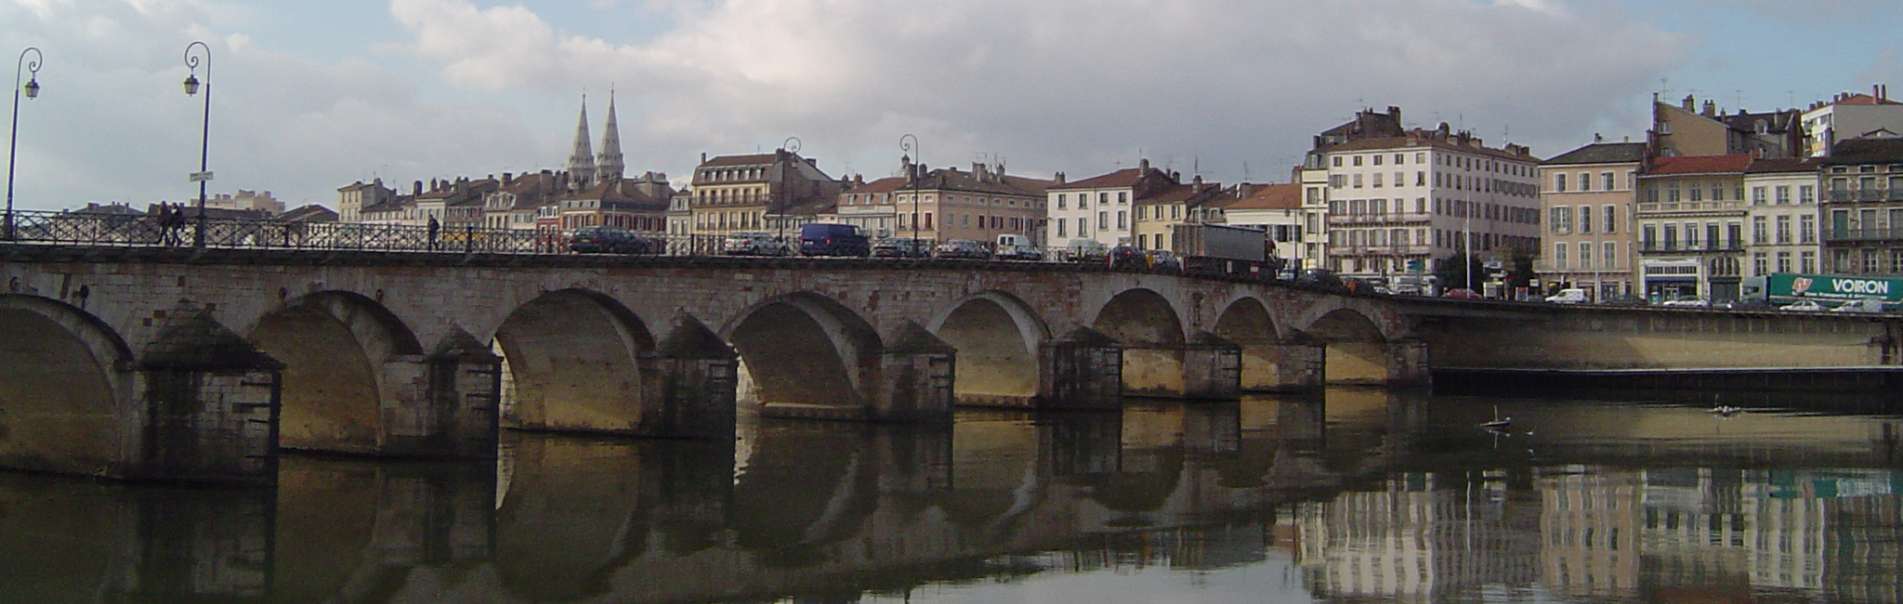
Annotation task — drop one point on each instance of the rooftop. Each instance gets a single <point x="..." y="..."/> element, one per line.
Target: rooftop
<point x="1700" y="164"/>
<point x="1600" y="153"/>
<point x="1285" y="196"/>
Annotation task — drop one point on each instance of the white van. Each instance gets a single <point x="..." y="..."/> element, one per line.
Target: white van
<point x="1568" y="296"/>
<point x="1016" y="247"/>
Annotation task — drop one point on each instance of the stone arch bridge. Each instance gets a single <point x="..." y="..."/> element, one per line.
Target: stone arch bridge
<point x="170" y="364"/>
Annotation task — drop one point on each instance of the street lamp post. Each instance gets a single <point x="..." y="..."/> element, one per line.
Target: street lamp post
<point x="908" y="143"/>
<point x="791" y="146"/>
<point x="191" y="88"/>
<point x="32" y="89"/>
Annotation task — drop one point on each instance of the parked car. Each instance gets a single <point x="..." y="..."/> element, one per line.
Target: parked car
<point x="892" y="247"/>
<point x="1162" y="260"/>
<point x="1085" y="250"/>
<point x="962" y="248"/>
<point x="1865" y="305"/>
<point x="1461" y="293"/>
<point x="1321" y="278"/>
<point x="1124" y="257"/>
<point x="1016" y="247"/>
<point x="610" y="240"/>
<point x="1572" y="295"/>
<point x="1803" y="306"/>
<point x="1687" y="302"/>
<point x="824" y="239"/>
<point x="754" y="244"/>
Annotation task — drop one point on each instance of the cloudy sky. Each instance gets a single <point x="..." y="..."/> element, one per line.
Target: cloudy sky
<point x="309" y="96"/>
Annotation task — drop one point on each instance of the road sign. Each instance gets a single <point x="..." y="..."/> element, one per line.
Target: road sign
<point x="201" y="176"/>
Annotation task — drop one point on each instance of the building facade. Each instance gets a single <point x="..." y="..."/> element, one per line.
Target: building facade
<point x="735" y="193"/>
<point x="1275" y="209"/>
<point x="1398" y="204"/>
<point x="1849" y="116"/>
<point x="1587" y="195"/>
<point x="1099" y="208"/>
<point x="1155" y="216"/>
<point x="1687" y="130"/>
<point x="1783" y="235"/>
<point x="1691" y="216"/>
<point x="1862" y="213"/>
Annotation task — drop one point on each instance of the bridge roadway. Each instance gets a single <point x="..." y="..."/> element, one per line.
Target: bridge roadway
<point x="157" y="363"/>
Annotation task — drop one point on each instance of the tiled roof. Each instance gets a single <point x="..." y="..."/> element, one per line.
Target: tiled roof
<point x="1189" y="193"/>
<point x="1286" y="196"/>
<point x="1770" y="166"/>
<point x="309" y="213"/>
<point x="1866" y="151"/>
<point x="1700" y="164"/>
<point x="1600" y="153"/>
<point x="1864" y="99"/>
<point x="1424" y="140"/>
<point x="753" y="159"/>
<point x="884" y="185"/>
<point x="1126" y="177"/>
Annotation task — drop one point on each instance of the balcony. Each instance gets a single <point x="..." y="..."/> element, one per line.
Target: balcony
<point x="1669" y="207"/>
<point x="1406" y="249"/>
<point x="1859" y="235"/>
<point x="1390" y="218"/>
<point x="1680" y="247"/>
<point x="1865" y="195"/>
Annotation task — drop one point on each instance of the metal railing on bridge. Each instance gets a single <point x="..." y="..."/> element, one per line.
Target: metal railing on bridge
<point x="101" y="229"/>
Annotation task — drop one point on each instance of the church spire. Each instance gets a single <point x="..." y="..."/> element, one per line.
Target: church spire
<point x="581" y="161"/>
<point x="608" y="165"/>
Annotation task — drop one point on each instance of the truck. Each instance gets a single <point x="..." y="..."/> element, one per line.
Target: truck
<point x="1222" y="249"/>
<point x="1784" y="288"/>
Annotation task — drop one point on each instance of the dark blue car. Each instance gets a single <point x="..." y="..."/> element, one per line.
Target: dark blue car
<point x="834" y="240"/>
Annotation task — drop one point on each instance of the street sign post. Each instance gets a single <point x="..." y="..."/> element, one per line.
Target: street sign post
<point x="201" y="176"/>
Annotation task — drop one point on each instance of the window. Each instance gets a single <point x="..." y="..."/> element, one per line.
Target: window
<point x="1758" y="264"/>
<point x="1060" y="201"/>
<point x="1103" y="199"/>
<point x="1377" y="177"/>
<point x="1671" y="236"/>
<point x="1758" y="231"/>
<point x="1123" y="197"/>
<point x="1562" y="219"/>
<point x="1783" y="262"/>
<point x="1783" y="194"/>
<point x="1420" y="178"/>
<point x="1357" y="181"/>
<point x="1698" y="194"/>
<point x="1585" y="256"/>
<point x="1120" y="219"/>
<point x="1605" y="179"/>
<point x="1806" y="194"/>
<point x="1784" y="229"/>
<point x="1611" y="256"/>
<point x="1585" y="221"/>
<point x="1559" y="256"/>
<point x="1559" y="183"/>
<point x="1612" y="222"/>
<point x="1757" y="196"/>
<point x="1337" y="161"/>
<point x="1103" y="220"/>
<point x="1807" y="262"/>
<point x="1357" y="161"/>
<point x="1083" y="226"/>
<point x="1807" y="229"/>
<point x="1585" y="184"/>
<point x="1400" y="179"/>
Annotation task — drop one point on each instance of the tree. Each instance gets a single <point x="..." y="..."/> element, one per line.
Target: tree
<point x="1452" y="272"/>
<point x="1521" y="275"/>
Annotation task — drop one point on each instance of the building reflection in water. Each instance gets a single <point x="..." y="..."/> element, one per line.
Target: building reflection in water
<point x="1370" y="494"/>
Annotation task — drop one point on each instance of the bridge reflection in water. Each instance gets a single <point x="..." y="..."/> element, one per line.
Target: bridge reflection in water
<point x="1360" y="494"/>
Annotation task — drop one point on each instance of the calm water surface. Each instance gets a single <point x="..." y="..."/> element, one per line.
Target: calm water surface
<point x="1360" y="495"/>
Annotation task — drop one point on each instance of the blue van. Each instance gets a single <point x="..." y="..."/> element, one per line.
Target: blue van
<point x="833" y="240"/>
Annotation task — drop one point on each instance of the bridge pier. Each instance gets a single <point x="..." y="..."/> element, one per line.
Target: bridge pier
<point x="1082" y="369"/>
<point x="205" y="409"/>
<point x="465" y="397"/>
<point x="689" y="384"/>
<point x="916" y="372"/>
<point x="1407" y="363"/>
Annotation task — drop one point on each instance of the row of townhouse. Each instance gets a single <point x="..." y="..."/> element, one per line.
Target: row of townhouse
<point x="1711" y="199"/>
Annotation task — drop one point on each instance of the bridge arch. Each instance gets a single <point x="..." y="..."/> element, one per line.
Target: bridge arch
<point x="1246" y="322"/>
<point x="805" y="348"/>
<point x="1356" y="350"/>
<point x="335" y="346"/>
<point x="64" y="387"/>
<point x="1151" y="332"/>
<point x="571" y="361"/>
<point x="997" y="336"/>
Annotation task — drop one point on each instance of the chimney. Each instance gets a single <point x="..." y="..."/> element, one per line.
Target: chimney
<point x="703" y="157"/>
<point x="1143" y="165"/>
<point x="1197" y="181"/>
<point x="418" y="191"/>
<point x="1394" y="112"/>
<point x="1711" y="109"/>
<point x="1059" y="178"/>
<point x="507" y="178"/>
<point x="1597" y="138"/>
<point x="1689" y="104"/>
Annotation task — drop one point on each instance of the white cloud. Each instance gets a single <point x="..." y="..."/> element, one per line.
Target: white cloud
<point x="1066" y="85"/>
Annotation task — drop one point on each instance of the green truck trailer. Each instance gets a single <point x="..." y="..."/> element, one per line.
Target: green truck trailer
<point x="1785" y="288"/>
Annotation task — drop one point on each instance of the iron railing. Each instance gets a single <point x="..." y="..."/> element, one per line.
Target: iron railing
<point x="101" y="229"/>
<point x="1865" y="234"/>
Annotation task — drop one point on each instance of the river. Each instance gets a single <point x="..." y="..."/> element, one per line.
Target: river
<point x="1356" y="495"/>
